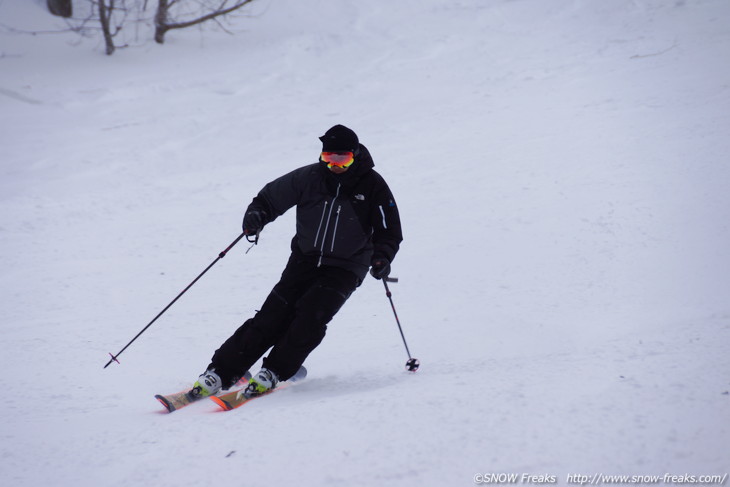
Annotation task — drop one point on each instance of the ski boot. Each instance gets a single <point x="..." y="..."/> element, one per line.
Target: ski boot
<point x="207" y="384"/>
<point x="261" y="383"/>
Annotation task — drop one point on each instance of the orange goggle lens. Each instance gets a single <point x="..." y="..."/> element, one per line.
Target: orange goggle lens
<point x="338" y="159"/>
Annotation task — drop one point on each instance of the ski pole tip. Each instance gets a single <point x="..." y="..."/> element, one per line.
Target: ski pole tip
<point x="113" y="359"/>
<point x="413" y="364"/>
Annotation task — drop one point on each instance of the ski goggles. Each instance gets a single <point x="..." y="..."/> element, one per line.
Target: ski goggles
<point x="338" y="159"/>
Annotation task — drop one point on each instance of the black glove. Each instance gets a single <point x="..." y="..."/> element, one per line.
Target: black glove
<point x="253" y="221"/>
<point x="380" y="267"/>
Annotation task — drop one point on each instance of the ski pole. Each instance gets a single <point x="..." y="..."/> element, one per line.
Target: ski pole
<point x="413" y="363"/>
<point x="220" y="256"/>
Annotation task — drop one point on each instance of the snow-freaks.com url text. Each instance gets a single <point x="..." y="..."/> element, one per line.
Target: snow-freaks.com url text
<point x="600" y="479"/>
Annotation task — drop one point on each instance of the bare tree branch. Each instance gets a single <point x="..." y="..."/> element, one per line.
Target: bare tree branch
<point x="110" y="17"/>
<point x="161" y="19"/>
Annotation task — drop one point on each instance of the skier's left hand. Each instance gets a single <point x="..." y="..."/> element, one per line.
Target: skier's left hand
<point x="380" y="267"/>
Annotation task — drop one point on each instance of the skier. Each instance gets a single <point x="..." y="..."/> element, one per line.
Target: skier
<point x="346" y="222"/>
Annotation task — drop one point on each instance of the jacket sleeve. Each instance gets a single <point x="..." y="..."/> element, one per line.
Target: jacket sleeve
<point x="279" y="195"/>
<point x="385" y="220"/>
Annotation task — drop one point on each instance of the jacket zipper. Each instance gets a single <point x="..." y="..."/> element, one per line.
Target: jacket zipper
<point x="319" y="228"/>
<point x="334" y="231"/>
<point x="327" y="225"/>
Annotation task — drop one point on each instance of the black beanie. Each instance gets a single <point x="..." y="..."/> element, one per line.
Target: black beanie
<point x="339" y="139"/>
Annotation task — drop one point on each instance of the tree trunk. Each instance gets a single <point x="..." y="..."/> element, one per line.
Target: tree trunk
<point x="62" y="8"/>
<point x="161" y="21"/>
<point x="105" y="14"/>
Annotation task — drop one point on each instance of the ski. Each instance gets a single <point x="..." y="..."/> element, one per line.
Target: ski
<point x="178" y="400"/>
<point x="236" y="399"/>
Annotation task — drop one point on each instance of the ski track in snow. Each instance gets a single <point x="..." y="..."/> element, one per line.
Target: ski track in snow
<point x="561" y="173"/>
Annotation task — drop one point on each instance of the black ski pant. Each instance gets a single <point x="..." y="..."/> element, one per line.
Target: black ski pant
<point x="293" y="320"/>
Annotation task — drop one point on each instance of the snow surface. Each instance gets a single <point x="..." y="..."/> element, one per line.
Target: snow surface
<point x="562" y="172"/>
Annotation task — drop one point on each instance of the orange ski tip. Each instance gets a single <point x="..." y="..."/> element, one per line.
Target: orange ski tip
<point x="165" y="403"/>
<point x="224" y="405"/>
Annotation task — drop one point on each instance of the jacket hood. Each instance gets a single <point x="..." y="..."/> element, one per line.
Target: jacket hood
<point x="363" y="161"/>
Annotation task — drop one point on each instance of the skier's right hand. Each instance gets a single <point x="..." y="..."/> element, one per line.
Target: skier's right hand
<point x="253" y="221"/>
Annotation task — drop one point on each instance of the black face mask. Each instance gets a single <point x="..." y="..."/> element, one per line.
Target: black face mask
<point x="345" y="180"/>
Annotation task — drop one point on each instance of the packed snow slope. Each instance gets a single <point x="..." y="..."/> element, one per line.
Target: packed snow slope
<point x="562" y="173"/>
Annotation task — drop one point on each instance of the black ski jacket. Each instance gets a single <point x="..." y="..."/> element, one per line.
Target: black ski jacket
<point x="343" y="220"/>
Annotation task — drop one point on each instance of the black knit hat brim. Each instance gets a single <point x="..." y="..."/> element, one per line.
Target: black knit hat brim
<point x="340" y="139"/>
